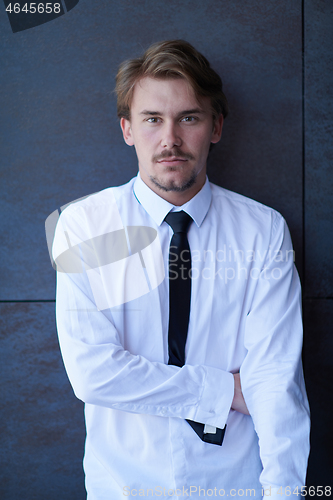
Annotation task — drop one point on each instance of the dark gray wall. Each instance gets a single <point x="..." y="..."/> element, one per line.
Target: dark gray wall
<point x="60" y="140"/>
<point x="318" y="233"/>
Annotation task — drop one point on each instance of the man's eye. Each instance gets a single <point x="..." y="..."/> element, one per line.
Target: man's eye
<point x="152" y="120"/>
<point x="189" y="119"/>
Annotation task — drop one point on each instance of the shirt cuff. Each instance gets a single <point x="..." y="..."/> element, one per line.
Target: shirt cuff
<point x="216" y="398"/>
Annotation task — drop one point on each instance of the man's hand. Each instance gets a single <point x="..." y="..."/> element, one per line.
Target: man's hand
<point x="238" y="403"/>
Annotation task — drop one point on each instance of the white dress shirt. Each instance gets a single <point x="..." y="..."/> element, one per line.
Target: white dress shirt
<point x="112" y="320"/>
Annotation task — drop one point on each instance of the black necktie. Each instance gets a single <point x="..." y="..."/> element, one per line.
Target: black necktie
<point x="180" y="303"/>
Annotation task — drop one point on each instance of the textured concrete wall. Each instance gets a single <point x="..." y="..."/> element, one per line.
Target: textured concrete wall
<point x="60" y="140"/>
<point x="318" y="233"/>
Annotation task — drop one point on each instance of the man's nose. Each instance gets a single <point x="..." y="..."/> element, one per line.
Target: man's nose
<point x="171" y="136"/>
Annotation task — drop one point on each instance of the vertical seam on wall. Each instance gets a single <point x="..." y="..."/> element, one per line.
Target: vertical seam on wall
<point x="303" y="148"/>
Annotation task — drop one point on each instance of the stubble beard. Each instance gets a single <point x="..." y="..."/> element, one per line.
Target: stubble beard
<point x="172" y="185"/>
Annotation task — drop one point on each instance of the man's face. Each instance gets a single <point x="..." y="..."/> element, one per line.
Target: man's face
<point x="171" y="131"/>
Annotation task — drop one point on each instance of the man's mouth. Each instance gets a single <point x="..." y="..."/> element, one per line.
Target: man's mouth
<point x="172" y="157"/>
<point x="171" y="160"/>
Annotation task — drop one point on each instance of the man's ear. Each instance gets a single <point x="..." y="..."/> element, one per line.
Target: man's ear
<point x="217" y="129"/>
<point x="125" y="126"/>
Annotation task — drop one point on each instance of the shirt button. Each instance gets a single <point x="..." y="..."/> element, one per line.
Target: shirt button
<point x="164" y="411"/>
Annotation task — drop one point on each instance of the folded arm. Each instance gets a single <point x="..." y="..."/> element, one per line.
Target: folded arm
<point x="271" y="374"/>
<point x="102" y="372"/>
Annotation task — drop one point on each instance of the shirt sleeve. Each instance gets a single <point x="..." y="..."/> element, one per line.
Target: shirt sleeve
<point x="271" y="374"/>
<point x="103" y="373"/>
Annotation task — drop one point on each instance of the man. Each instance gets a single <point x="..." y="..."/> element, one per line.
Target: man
<point x="183" y="342"/>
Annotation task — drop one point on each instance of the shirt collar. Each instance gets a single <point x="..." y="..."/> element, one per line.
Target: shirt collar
<point x="158" y="208"/>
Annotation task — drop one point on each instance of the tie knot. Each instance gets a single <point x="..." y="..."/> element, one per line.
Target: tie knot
<point x="178" y="221"/>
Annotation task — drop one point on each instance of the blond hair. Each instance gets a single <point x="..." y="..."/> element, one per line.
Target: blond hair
<point x="170" y="59"/>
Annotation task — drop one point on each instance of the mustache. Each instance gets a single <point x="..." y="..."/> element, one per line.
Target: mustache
<point x="177" y="152"/>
